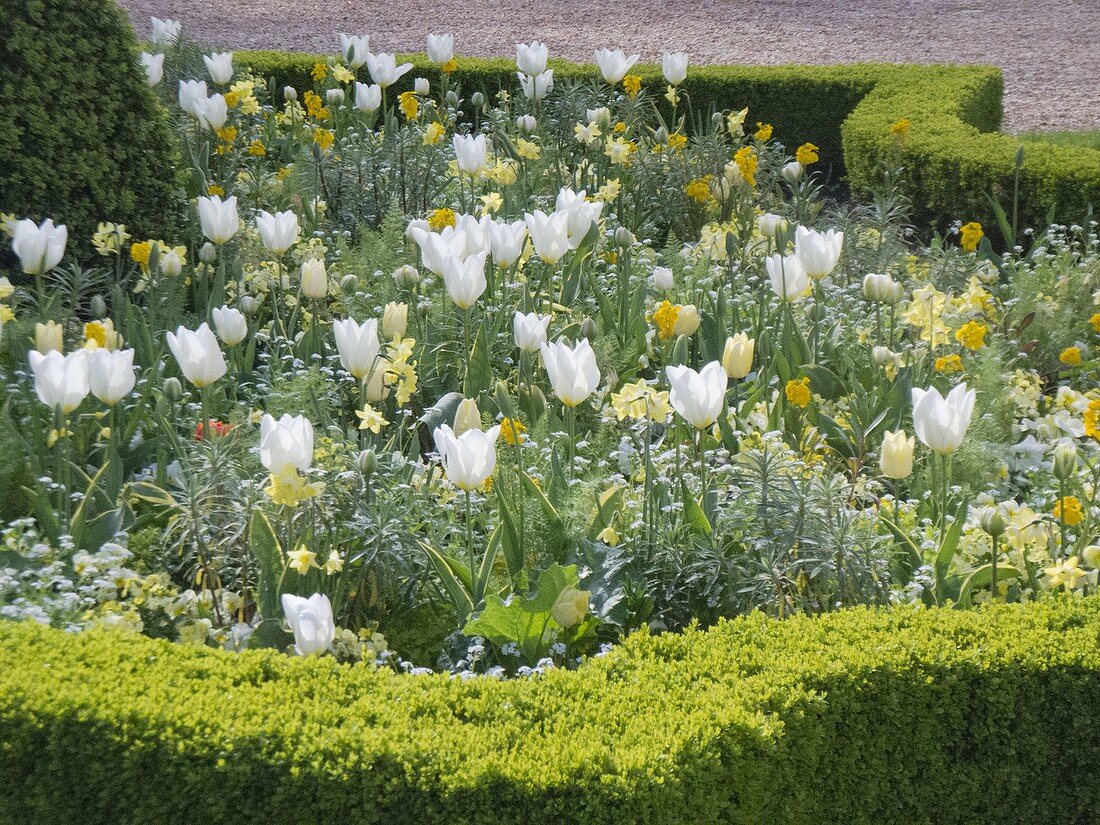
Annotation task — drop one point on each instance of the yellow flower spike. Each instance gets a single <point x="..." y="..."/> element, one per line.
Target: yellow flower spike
<point x="972" y="335"/>
<point x="899" y="131"/>
<point x="512" y="430"/>
<point x="1070" y="356"/>
<point x="664" y="318"/>
<point x="632" y="84"/>
<point x="324" y="138"/>
<point x="450" y="67"/>
<point x="1069" y="511"/>
<point x="806" y="154"/>
<point x="320" y="71"/>
<point x="763" y="132"/>
<point x="971" y="235"/>
<point x="798" y="391"/>
<point x="434" y="133"/>
<point x="948" y="364"/>
<point x="699" y="189"/>
<point x="747" y="161"/>
<point x="441" y="218"/>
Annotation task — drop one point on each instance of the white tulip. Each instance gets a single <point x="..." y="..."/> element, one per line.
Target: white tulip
<point x="791" y="172"/>
<point x="468" y="459"/>
<point x="941" y="423"/>
<point x="279" y="232"/>
<point x="674" y="66"/>
<point x="537" y="86"/>
<point x="771" y="224"/>
<point x="465" y="279"/>
<point x="421" y="86"/>
<point x="355" y="49"/>
<point x="198" y="355"/>
<point x="601" y="116"/>
<point x="581" y="213"/>
<point x="368" y="98"/>
<point x="526" y="124"/>
<point x="470" y="153"/>
<point x="530" y="330"/>
<point x="334" y="97"/>
<point x="111" y="374"/>
<point x="818" y="252"/>
<point x="384" y="70"/>
<point x="549" y="234"/>
<point x="896" y="459"/>
<point x="314" y="277"/>
<point x="220" y="66"/>
<point x="476" y="231"/>
<point x="436" y="248"/>
<point x="192" y="96"/>
<point x="737" y="355"/>
<point x="788" y="279"/>
<point x="153" y="64"/>
<point x="531" y="57"/>
<point x="218" y="218"/>
<point x="358" y="345"/>
<point x="614" y="64"/>
<point x="882" y="288"/>
<point x="171" y="264"/>
<point x="395" y="320"/>
<point x="165" y="32"/>
<point x="699" y="397"/>
<point x="311" y="623"/>
<point x="213" y="112"/>
<point x="441" y="48"/>
<point x="39" y="247"/>
<point x="60" y="380"/>
<point x="506" y="241"/>
<point x="573" y="372"/>
<point x="231" y="325"/>
<point x="286" y="445"/>
<point x="662" y="278"/>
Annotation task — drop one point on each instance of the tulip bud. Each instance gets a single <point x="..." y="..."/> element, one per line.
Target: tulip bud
<point x="737" y="355"/>
<point x="477" y="100"/>
<point x="452" y="99"/>
<point x="164" y="409"/>
<point x="720" y="188"/>
<point x="48" y="336"/>
<point x="171" y="264"/>
<point x="1065" y="460"/>
<point x="624" y="237"/>
<point x="467" y="416"/>
<point x="536" y="400"/>
<point x="717" y="120"/>
<point x="98" y="306"/>
<point x="571" y="607"/>
<point x="368" y="463"/>
<point x="173" y="389"/>
<point x="1091" y="556"/>
<point x="662" y="278"/>
<point x="882" y="356"/>
<point x="249" y="305"/>
<point x="314" y="278"/>
<point x="395" y="320"/>
<point x="992" y="520"/>
<point x="687" y="320"/>
<point x="882" y="288"/>
<point x="896" y="460"/>
<point x="208" y="253"/>
<point x="588" y="329"/>
<point x="406" y="276"/>
<point x="661" y="135"/>
<point x="421" y="86"/>
<point x="526" y="124"/>
<point x="349" y="284"/>
<point x="334" y="96"/>
<point x="791" y="172"/>
<point x="290" y="94"/>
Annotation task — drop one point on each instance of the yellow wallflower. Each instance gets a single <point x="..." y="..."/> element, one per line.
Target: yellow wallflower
<point x="410" y="105"/>
<point x="342" y="74"/>
<point x="900" y="130"/>
<point x="320" y="71"/>
<point x="972" y="335"/>
<point x="763" y="131"/>
<point x="664" y="318"/>
<point x="1070" y="356"/>
<point x="1092" y="419"/>
<point x="806" y="154"/>
<point x="512" y="430"/>
<point x="434" y="133"/>
<point x="1094" y="322"/>
<point x="324" y="138"/>
<point x="257" y="149"/>
<point x="215" y="189"/>
<point x="440" y="218"/>
<point x="1069" y="510"/>
<point x="971" y="235"/>
<point x="290" y="489"/>
<point x="527" y="149"/>
<point x="699" y="189"/>
<point x="798" y="391"/>
<point x="747" y="161"/>
<point x="449" y="67"/>
<point x="632" y="84"/>
<point x="948" y="364"/>
<point x="228" y="134"/>
<point x="140" y="252"/>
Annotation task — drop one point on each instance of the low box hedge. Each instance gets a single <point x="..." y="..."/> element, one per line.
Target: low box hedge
<point x="863" y="716"/>
<point x="954" y="156"/>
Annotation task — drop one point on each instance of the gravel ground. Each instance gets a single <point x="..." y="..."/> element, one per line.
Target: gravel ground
<point x="1050" y="51"/>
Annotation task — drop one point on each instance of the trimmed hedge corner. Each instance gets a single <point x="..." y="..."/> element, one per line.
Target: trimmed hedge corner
<point x="954" y="156"/>
<point x="82" y="137"/>
<point x="864" y="716"/>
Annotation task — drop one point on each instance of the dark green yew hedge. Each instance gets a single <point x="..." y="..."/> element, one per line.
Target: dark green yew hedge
<point x="953" y="156"/>
<point x="863" y="716"/>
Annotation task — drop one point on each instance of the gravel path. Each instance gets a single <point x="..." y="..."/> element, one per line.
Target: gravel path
<point x="1050" y="51"/>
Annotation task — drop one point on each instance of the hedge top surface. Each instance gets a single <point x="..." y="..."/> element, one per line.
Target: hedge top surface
<point x="647" y="720"/>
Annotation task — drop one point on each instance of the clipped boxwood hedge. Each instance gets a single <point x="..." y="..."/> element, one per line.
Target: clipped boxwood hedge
<point x="863" y="716"/>
<point x="954" y="157"/>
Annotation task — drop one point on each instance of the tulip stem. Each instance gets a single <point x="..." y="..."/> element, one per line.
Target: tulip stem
<point x="571" y="430"/>
<point x="470" y="540"/>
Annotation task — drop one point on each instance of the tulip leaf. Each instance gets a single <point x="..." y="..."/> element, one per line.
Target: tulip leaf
<point x="456" y="589"/>
<point x="485" y="569"/>
<point x="982" y="578"/>
<point x="694" y="516"/>
<point x="442" y="411"/>
<point x="607" y="505"/>
<point x="524" y="621"/>
<point x="949" y="545"/>
<point x="479" y="370"/>
<point x="511" y="540"/>
<point x="267" y="551"/>
<point x="912" y="555"/>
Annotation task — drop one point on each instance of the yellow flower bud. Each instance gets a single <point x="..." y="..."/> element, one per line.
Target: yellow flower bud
<point x="395" y="319"/>
<point x="737" y="355"/>
<point x="467" y="417"/>
<point x="896" y="460"/>
<point x="48" y="336"/>
<point x="571" y="607"/>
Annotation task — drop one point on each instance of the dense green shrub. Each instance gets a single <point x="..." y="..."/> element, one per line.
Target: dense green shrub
<point x="953" y="157"/>
<point x="864" y="716"/>
<point x="82" y="138"/>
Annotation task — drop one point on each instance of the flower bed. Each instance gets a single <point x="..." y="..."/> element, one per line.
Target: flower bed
<point x="865" y="716"/>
